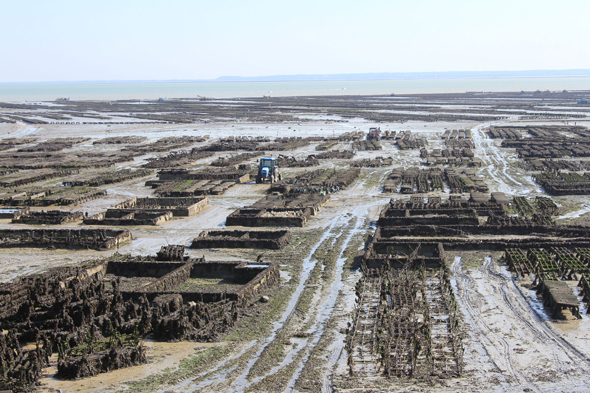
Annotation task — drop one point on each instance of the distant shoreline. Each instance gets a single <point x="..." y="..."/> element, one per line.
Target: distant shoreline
<point x="374" y="76"/>
<point x="153" y="90"/>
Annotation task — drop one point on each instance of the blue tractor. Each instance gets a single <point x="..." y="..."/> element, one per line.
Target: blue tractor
<point x="267" y="171"/>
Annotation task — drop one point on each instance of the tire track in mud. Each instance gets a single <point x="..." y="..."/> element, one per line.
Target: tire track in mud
<point x="309" y="264"/>
<point x="547" y="332"/>
<point x="360" y="217"/>
<point x="496" y="164"/>
<point x="325" y="306"/>
<point x="292" y="356"/>
<point x="477" y="140"/>
<point x="540" y="335"/>
<point x="26" y="131"/>
<point x="336" y="348"/>
<point x="220" y="369"/>
<point x="463" y="288"/>
<point x="558" y="345"/>
<point x="503" y="282"/>
<point x="501" y="161"/>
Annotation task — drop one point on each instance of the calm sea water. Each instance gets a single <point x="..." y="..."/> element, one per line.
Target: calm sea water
<point x="155" y="90"/>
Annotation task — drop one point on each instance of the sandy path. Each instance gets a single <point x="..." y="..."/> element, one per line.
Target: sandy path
<point x="503" y="327"/>
<point x="496" y="164"/>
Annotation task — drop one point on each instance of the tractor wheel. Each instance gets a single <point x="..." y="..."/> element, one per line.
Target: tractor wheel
<point x="258" y="180"/>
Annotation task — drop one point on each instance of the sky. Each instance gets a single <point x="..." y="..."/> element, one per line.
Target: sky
<point x="92" y="40"/>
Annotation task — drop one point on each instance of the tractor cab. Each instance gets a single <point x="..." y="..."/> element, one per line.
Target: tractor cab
<point x="267" y="170"/>
<point x="374" y="133"/>
<point x="266" y="165"/>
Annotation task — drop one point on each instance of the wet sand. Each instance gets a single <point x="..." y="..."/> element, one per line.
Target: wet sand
<point x="296" y="342"/>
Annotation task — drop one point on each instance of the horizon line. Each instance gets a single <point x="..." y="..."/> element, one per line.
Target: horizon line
<point x="346" y="76"/>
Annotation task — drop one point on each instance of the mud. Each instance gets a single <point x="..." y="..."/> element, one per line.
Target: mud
<point x="296" y="340"/>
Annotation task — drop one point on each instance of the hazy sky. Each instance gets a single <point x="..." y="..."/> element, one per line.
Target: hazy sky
<point x="44" y="40"/>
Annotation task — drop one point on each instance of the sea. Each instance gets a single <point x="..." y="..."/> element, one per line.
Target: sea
<point x="153" y="90"/>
